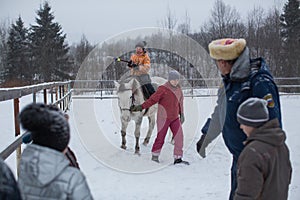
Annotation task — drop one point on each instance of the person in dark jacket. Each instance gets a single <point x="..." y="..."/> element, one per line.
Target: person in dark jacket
<point x="9" y="189"/>
<point x="169" y="114"/>
<point x="44" y="169"/>
<point x="242" y="78"/>
<point x="264" y="168"/>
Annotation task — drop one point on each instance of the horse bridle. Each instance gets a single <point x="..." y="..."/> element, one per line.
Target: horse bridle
<point x="132" y="102"/>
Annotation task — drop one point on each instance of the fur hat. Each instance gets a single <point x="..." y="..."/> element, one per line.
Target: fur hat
<point x="47" y="125"/>
<point x="173" y="75"/>
<point x="141" y="44"/>
<point x="226" y="49"/>
<point x="253" y="112"/>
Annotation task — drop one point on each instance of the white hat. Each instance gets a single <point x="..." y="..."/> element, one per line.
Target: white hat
<point x="226" y="49"/>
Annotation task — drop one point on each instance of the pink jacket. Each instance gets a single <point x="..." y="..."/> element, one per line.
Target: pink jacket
<point x="169" y="99"/>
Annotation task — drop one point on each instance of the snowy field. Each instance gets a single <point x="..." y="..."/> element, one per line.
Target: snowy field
<point x="113" y="173"/>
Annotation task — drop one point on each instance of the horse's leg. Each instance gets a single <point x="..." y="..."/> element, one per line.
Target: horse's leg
<point x="151" y="119"/>
<point x="137" y="133"/>
<point x="123" y="134"/>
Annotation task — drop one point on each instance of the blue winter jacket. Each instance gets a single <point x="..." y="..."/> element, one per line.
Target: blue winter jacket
<point x="248" y="78"/>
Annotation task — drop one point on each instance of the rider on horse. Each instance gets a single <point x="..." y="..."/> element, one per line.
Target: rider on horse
<point x="139" y="65"/>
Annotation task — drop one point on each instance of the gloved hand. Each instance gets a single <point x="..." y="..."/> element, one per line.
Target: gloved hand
<point x="182" y="119"/>
<point x="204" y="130"/>
<point x="206" y="126"/>
<point x="136" y="108"/>
<point x="135" y="66"/>
<point x="199" y="145"/>
<point x="27" y="138"/>
<point x="129" y="64"/>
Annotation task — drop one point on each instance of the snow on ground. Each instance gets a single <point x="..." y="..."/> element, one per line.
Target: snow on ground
<point x="113" y="173"/>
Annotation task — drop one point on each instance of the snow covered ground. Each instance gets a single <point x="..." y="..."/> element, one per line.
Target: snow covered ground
<point x="113" y="173"/>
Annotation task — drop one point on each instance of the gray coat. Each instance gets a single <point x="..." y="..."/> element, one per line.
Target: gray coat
<point x="45" y="174"/>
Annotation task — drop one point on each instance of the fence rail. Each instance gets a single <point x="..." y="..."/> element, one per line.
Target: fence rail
<point x="62" y="93"/>
<point x="104" y="89"/>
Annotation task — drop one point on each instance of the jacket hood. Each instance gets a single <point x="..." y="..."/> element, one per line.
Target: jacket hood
<point x="241" y="67"/>
<point x="170" y="86"/>
<point x="270" y="133"/>
<point x="41" y="165"/>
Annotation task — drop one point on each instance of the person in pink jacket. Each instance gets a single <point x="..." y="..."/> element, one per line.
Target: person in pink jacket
<point x="169" y="114"/>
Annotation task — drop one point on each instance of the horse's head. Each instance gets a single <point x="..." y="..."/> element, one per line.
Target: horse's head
<point x="125" y="96"/>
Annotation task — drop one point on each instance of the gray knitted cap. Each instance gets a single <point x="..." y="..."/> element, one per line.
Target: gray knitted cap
<point x="253" y="112"/>
<point x="173" y="75"/>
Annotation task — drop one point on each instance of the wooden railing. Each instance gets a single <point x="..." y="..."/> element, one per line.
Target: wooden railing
<point x="59" y="93"/>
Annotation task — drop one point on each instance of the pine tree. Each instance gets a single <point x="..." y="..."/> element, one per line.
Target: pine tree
<point x="17" y="69"/>
<point x="290" y="23"/>
<point x="48" y="46"/>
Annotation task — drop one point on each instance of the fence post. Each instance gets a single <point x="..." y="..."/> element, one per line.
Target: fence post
<point x="56" y="94"/>
<point x="59" y="97"/>
<point x="63" y="94"/>
<point x="51" y="90"/>
<point x="45" y="96"/>
<point x="17" y="131"/>
<point x="34" y="97"/>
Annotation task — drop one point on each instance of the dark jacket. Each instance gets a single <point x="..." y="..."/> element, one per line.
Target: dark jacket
<point x="45" y="174"/>
<point x="248" y="78"/>
<point x="8" y="186"/>
<point x="169" y="99"/>
<point x="264" y="168"/>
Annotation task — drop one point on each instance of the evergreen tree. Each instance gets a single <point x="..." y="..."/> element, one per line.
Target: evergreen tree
<point x="290" y="23"/>
<point x="17" y="69"/>
<point x="48" y="46"/>
<point x="78" y="52"/>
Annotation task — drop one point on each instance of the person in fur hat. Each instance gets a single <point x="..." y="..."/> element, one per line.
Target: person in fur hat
<point x="139" y="65"/>
<point x="264" y="167"/>
<point x="44" y="169"/>
<point x="243" y="78"/>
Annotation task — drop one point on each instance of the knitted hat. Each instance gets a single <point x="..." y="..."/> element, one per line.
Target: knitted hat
<point x="226" y="49"/>
<point x="47" y="125"/>
<point x="141" y="44"/>
<point x="253" y="112"/>
<point x="173" y="75"/>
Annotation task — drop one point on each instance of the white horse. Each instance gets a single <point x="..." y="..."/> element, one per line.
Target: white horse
<point x="130" y="93"/>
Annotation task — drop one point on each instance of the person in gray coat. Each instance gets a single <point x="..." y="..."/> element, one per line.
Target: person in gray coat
<point x="44" y="170"/>
<point x="9" y="189"/>
<point x="264" y="168"/>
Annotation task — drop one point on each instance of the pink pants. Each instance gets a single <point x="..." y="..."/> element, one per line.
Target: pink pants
<point x="162" y="128"/>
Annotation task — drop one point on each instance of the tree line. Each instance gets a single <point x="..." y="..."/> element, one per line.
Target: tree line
<point x="40" y="53"/>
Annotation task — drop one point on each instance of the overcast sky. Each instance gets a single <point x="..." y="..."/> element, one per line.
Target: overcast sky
<point x="101" y="19"/>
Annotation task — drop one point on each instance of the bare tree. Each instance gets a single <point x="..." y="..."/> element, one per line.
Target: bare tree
<point x="272" y="41"/>
<point x="255" y="37"/>
<point x="225" y="21"/>
<point x="185" y="26"/>
<point x="170" y="21"/>
<point x="4" y="30"/>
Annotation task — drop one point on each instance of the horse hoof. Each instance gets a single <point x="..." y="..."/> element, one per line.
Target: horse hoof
<point x="146" y="141"/>
<point x="137" y="153"/>
<point x="123" y="146"/>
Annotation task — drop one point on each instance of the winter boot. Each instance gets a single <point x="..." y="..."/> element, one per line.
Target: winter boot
<point x="155" y="158"/>
<point x="180" y="161"/>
